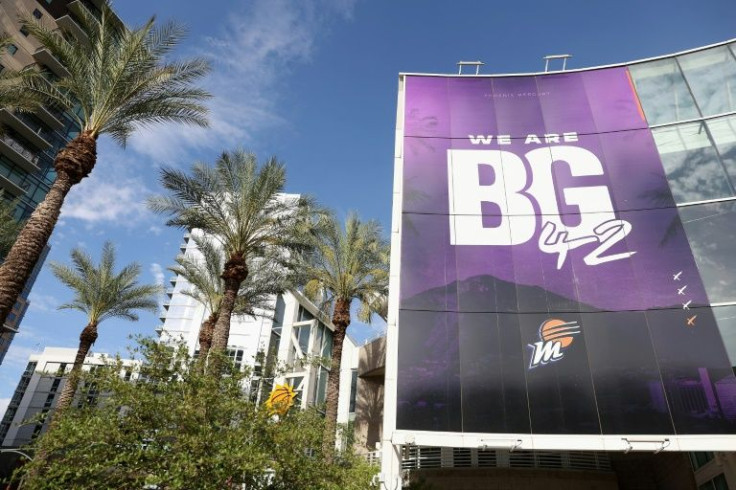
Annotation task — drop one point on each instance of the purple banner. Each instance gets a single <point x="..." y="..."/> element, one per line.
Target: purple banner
<point x="545" y="271"/>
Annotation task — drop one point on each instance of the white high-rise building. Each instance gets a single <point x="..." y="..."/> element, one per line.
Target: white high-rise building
<point x="38" y="392"/>
<point x="291" y="344"/>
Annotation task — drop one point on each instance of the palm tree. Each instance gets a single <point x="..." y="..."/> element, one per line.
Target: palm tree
<point x="100" y="293"/>
<point x="240" y="205"/>
<point x="266" y="278"/>
<point x="12" y="93"/>
<point x="119" y="79"/>
<point x="347" y="264"/>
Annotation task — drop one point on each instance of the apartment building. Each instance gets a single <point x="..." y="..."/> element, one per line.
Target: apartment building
<point x="38" y="391"/>
<point x="29" y="142"/>
<point x="292" y="343"/>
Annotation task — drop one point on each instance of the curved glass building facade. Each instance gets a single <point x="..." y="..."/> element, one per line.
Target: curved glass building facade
<point x="566" y="258"/>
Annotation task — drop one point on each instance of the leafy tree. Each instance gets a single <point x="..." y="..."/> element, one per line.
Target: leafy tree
<point x="100" y="293"/>
<point x="240" y="204"/>
<point x="174" y="428"/>
<point x="119" y="80"/>
<point x="265" y="279"/>
<point x="347" y="264"/>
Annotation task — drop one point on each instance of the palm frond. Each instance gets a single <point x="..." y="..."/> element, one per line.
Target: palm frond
<point x="100" y="291"/>
<point x="349" y="263"/>
<point x="121" y="78"/>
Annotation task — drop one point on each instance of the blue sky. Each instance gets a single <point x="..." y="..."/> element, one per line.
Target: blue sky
<point x="314" y="83"/>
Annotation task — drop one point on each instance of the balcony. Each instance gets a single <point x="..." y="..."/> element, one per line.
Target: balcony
<point x="50" y="117"/>
<point x="15" y="121"/>
<point x="11" y="187"/>
<point x="18" y="153"/>
<point x="68" y="24"/>
<point x="44" y="56"/>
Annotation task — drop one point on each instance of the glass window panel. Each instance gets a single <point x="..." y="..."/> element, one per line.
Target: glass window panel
<point x="303" y="335"/>
<point x="629" y="392"/>
<point x="709" y="229"/>
<point x="663" y="92"/>
<point x="492" y="374"/>
<point x="322" y="387"/>
<point x="428" y="383"/>
<point x="327" y="345"/>
<point x="304" y="315"/>
<point x="695" y="369"/>
<point x="711" y="75"/>
<point x="723" y="132"/>
<point x="726" y="321"/>
<point x="561" y="394"/>
<point x="720" y="483"/>
<point x="694" y="171"/>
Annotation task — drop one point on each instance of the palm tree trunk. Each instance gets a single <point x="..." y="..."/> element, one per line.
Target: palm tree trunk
<point x="205" y="338"/>
<point x="341" y="320"/>
<point x="86" y="339"/>
<point x="73" y="163"/>
<point x="234" y="273"/>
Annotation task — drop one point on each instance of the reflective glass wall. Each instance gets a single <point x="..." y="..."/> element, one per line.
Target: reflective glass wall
<point x="690" y="104"/>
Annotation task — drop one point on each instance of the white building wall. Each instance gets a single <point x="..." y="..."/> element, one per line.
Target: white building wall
<point x="41" y="393"/>
<point x="297" y="356"/>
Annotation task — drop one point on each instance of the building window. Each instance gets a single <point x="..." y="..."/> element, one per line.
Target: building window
<point x="37" y="13"/>
<point x="236" y="355"/>
<point x="700" y="459"/>
<point x="12" y="49"/>
<point x="353" y="390"/>
<point x="24" y="31"/>
<point x="717" y="483"/>
<point x="304" y="315"/>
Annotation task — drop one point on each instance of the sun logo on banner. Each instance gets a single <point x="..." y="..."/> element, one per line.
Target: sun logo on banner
<point x="281" y="400"/>
<point x="555" y="336"/>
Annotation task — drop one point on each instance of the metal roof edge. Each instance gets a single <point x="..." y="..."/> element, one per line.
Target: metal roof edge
<point x="613" y="65"/>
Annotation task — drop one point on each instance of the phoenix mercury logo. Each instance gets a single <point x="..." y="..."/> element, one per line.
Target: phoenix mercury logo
<point x="555" y="336"/>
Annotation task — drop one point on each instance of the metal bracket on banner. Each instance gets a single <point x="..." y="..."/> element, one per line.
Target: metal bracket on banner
<point x="495" y="443"/>
<point x="664" y="443"/>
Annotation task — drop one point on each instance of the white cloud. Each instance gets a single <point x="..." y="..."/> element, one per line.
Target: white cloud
<point x="4" y="402"/>
<point x="18" y="355"/>
<point x="94" y="201"/>
<point x="252" y="56"/>
<point x="158" y="274"/>
<point x="42" y="302"/>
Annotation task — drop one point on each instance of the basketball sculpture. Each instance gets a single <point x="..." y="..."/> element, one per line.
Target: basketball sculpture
<point x="281" y="400"/>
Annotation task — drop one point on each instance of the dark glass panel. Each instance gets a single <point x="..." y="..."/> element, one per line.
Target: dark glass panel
<point x="428" y="393"/>
<point x="560" y="388"/>
<point x="492" y="374"/>
<point x="428" y="280"/>
<point x="695" y="370"/>
<point x="628" y="388"/>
